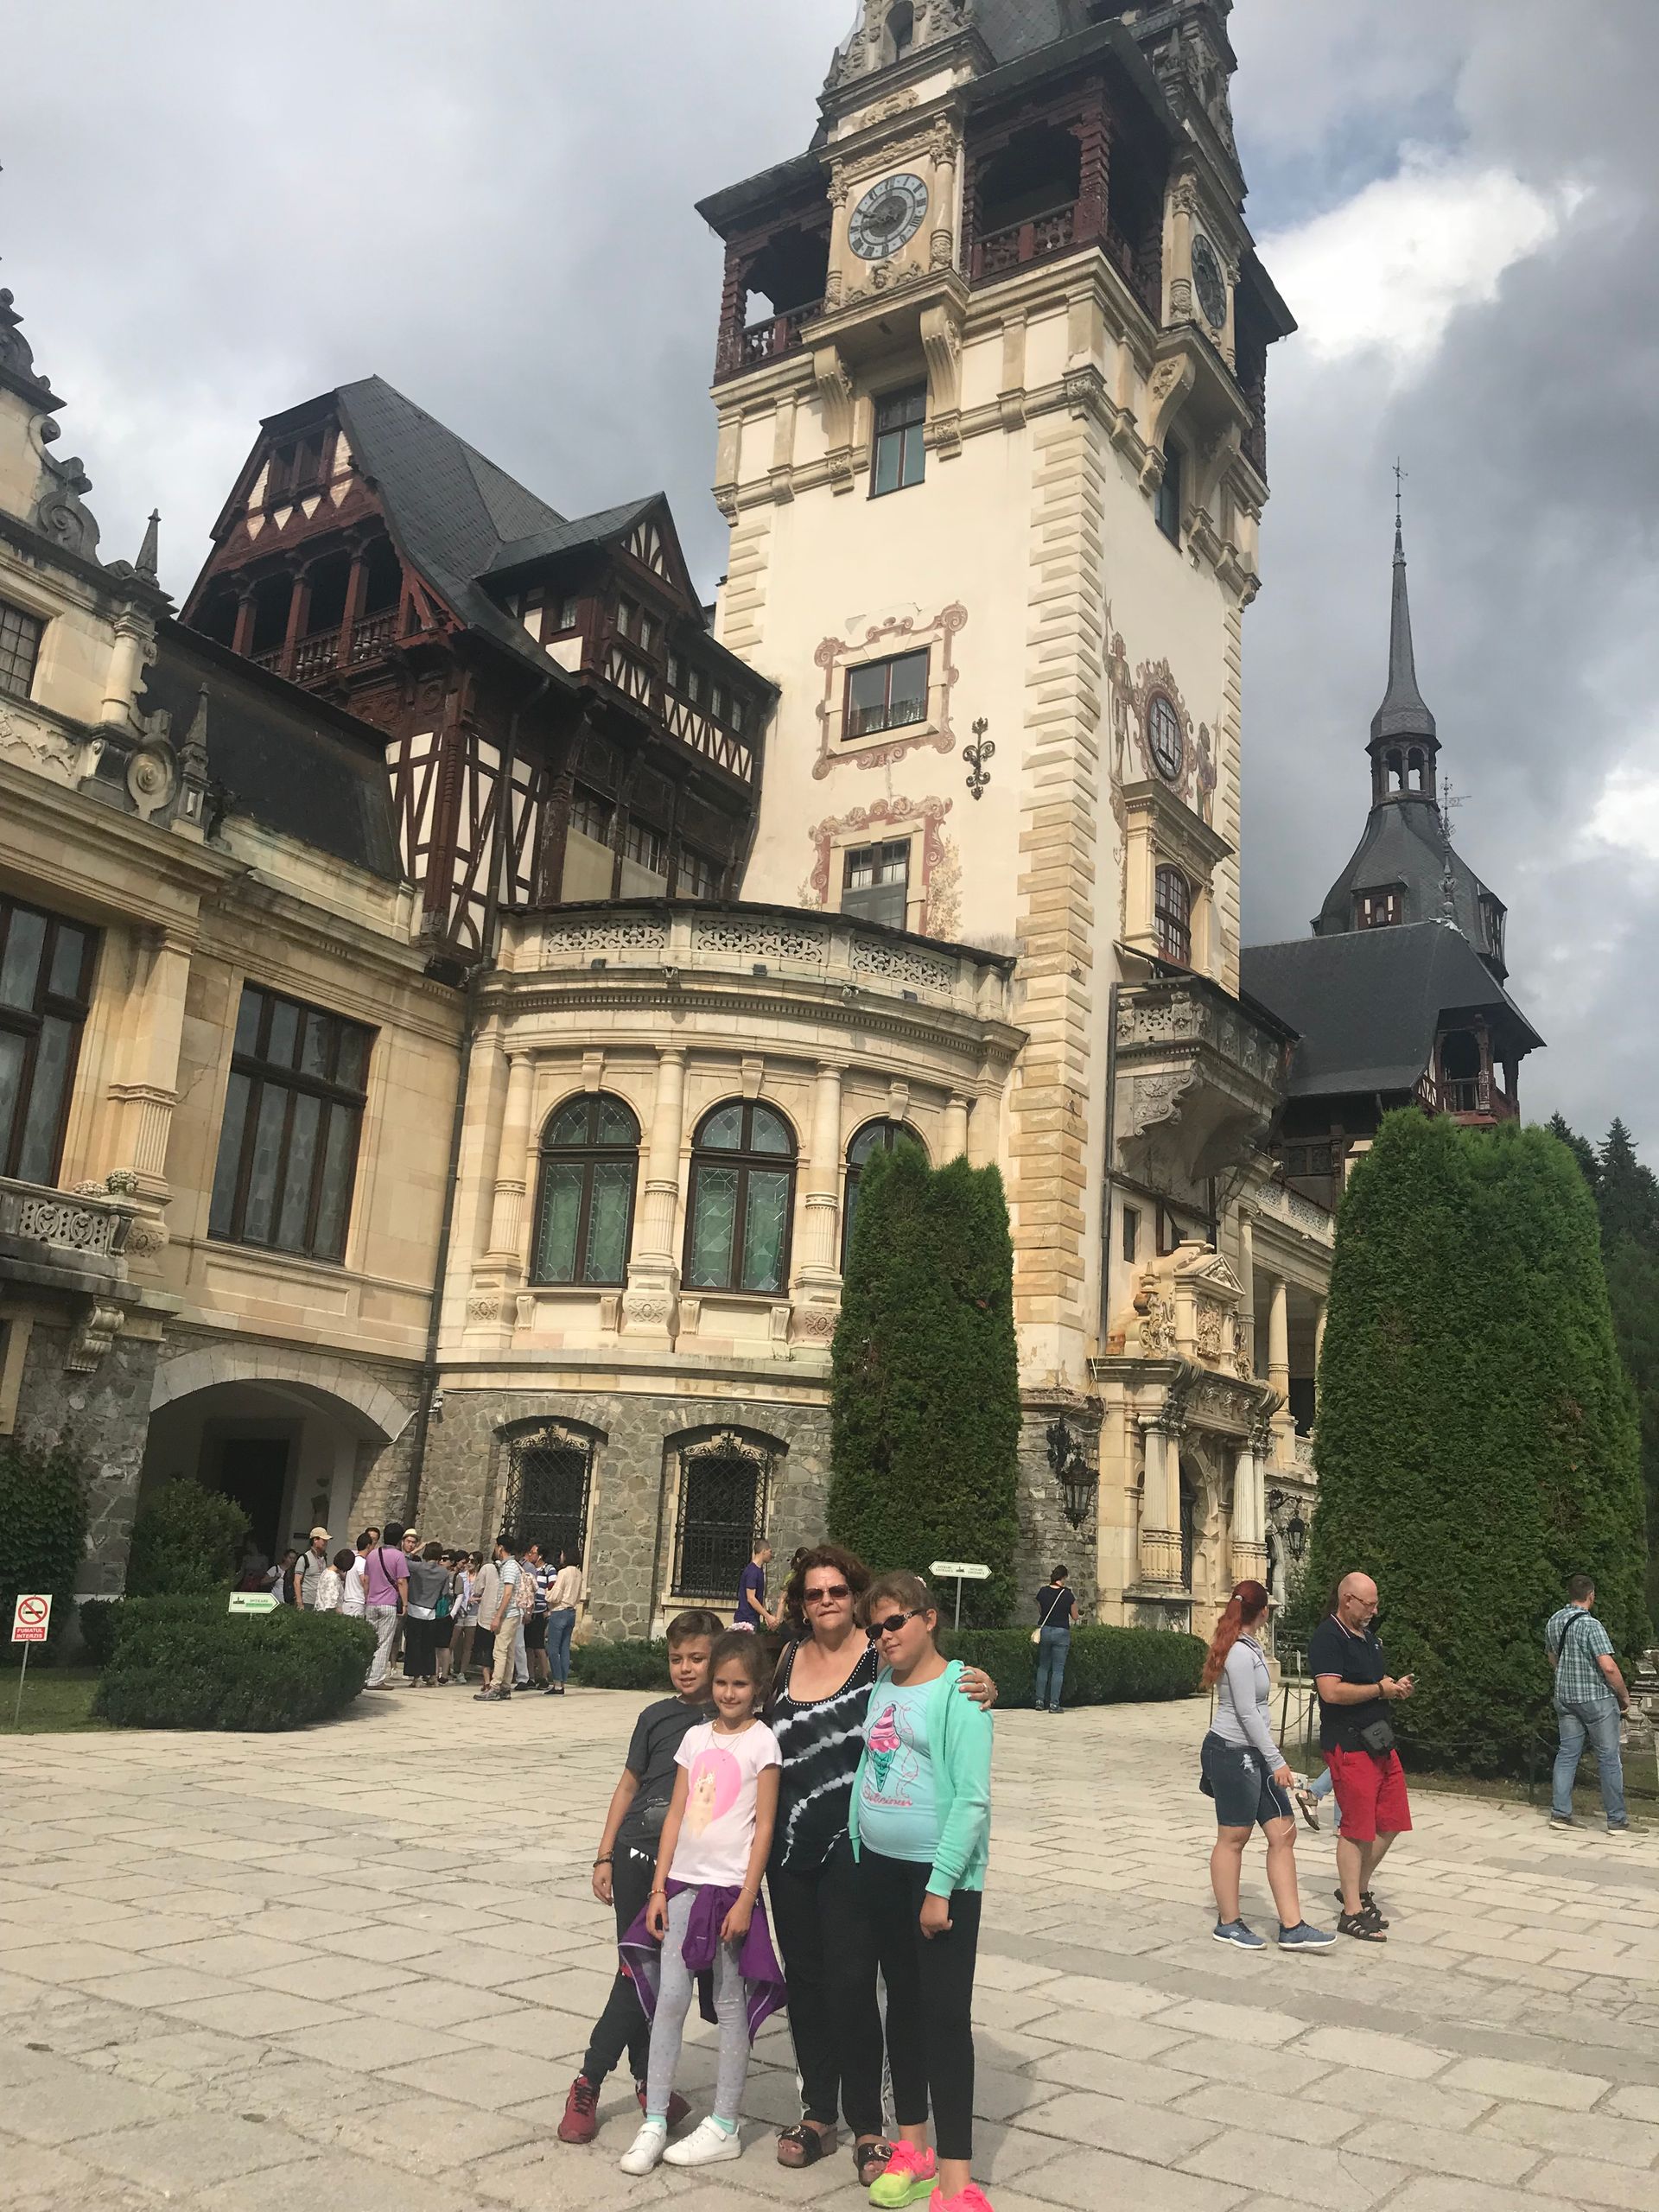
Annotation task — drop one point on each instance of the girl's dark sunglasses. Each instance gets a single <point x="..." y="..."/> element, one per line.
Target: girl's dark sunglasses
<point x="893" y="1624"/>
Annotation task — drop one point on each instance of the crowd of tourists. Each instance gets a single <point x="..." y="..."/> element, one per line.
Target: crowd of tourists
<point x="450" y="1614"/>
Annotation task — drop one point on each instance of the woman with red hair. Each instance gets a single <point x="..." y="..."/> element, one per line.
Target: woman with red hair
<point x="1244" y="1771"/>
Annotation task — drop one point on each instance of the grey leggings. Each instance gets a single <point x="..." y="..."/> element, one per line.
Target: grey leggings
<point x="668" y="2026"/>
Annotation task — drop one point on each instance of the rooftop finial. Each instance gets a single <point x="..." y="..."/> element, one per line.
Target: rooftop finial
<point x="149" y="551"/>
<point x="1404" y="712"/>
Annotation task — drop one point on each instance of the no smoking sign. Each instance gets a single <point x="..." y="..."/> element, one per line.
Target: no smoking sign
<point x="31" y="1620"/>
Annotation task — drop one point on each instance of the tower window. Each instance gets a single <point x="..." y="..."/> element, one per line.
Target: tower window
<point x="1377" y="909"/>
<point x="20" y="645"/>
<point x="875" y="882"/>
<point x="1172" y="917"/>
<point x="1167" y="507"/>
<point x="1131" y="1234"/>
<point x="886" y="695"/>
<point x="901" y="29"/>
<point x="1416" y="775"/>
<point x="901" y="453"/>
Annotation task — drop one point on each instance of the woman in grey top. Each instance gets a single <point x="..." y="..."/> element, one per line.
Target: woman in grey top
<point x="1244" y="1771"/>
<point x="428" y="1581"/>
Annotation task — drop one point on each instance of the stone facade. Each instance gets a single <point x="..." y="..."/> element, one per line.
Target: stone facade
<point x="105" y="1415"/>
<point x="632" y="1501"/>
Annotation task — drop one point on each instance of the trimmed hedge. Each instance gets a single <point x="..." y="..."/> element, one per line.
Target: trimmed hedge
<point x="43" y="1496"/>
<point x="96" y="1620"/>
<point x="184" y="1542"/>
<point x="1108" y="1666"/>
<point x="188" y="1663"/>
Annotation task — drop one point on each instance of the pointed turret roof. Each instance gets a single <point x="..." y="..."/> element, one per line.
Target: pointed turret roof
<point x="1403" y="713"/>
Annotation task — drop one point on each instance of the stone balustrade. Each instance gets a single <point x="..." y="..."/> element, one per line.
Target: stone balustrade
<point x="1187" y="1051"/>
<point x="84" y="1225"/>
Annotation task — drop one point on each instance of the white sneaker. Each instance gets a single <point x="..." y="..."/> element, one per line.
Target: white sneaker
<point x="707" y="2143"/>
<point x="645" y="2154"/>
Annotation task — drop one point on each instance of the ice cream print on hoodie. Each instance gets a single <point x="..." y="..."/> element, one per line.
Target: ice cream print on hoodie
<point x="897" y="1814"/>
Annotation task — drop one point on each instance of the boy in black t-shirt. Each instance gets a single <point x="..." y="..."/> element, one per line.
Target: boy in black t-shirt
<point x="626" y="1863"/>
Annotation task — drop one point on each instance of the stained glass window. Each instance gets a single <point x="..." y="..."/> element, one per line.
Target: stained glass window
<point x="584" y="1214"/>
<point x="737" y="1233"/>
<point x="874" y="1136"/>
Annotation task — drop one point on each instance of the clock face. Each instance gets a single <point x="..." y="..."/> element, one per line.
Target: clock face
<point x="1208" y="282"/>
<point x="1165" y="738"/>
<point x="888" y="215"/>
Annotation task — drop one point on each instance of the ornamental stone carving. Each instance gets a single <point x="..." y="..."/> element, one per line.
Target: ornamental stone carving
<point x="762" y="940"/>
<point x="564" y="941"/>
<point x="484" y="1308"/>
<point x="1210" y="1319"/>
<point x="97" y="1332"/>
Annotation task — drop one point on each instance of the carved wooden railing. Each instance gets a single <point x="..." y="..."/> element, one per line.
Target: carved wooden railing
<point x="748" y="348"/>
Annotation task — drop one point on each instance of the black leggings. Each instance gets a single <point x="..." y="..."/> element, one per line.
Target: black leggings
<point x="827" y="1947"/>
<point x="623" y="2026"/>
<point x="930" y="1986"/>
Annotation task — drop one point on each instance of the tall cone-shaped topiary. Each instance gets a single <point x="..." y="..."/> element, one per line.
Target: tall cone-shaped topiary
<point x="1475" y="1438"/>
<point x="925" y="1391"/>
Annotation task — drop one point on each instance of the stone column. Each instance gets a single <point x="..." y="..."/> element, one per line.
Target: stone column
<point x="1160" y="1509"/>
<point x="1279" y="1336"/>
<point x="511" y="1171"/>
<point x="650" y="1301"/>
<point x="821" y="1260"/>
<point x="1247" y="1274"/>
<point x="1249" y="1517"/>
<point x="956" y="1130"/>
<point x="942" y="236"/>
<point x="146" y="1090"/>
<point x="982" y="1125"/>
<point x="134" y="635"/>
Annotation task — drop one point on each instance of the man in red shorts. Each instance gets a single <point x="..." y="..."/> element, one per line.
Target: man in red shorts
<point x="1356" y="1737"/>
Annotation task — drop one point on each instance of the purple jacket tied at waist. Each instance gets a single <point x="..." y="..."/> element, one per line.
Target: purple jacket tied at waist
<point x="764" y="1988"/>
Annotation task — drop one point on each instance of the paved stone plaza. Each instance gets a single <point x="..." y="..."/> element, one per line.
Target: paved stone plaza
<point x="351" y="1969"/>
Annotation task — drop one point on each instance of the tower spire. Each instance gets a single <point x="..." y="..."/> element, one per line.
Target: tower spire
<point x="1404" y="712"/>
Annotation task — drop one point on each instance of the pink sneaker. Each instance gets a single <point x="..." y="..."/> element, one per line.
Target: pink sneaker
<point x="907" y="2177"/>
<point x="972" y="2199"/>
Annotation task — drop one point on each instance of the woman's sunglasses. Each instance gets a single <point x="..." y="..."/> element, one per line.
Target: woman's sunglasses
<point x="893" y="1624"/>
<point x="831" y="1595"/>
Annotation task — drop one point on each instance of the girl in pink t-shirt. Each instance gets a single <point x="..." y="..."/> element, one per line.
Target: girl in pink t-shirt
<point x="714" y="1849"/>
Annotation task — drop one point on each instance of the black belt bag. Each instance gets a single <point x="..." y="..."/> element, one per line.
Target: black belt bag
<point x="1377" y="1736"/>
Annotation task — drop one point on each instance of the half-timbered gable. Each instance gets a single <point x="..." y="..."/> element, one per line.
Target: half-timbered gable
<point x="370" y="554"/>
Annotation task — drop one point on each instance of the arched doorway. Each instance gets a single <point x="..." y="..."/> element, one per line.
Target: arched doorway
<point x="293" y="1446"/>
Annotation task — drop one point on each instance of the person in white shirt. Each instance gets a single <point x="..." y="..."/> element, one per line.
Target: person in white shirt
<point x="354" y="1593"/>
<point x="331" y="1583"/>
<point x="565" y="1593"/>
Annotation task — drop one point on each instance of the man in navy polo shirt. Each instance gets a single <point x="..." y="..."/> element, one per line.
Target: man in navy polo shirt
<point x="1355" y="1690"/>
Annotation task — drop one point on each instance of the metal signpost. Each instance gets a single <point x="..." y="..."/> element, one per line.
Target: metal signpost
<point x="30" y="1619"/>
<point x="946" y="1570"/>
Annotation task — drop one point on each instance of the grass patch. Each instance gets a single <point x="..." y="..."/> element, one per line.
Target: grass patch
<point x="57" y="1701"/>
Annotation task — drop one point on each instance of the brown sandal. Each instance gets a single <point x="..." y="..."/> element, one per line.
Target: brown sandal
<point x="871" y="2159"/>
<point x="812" y="2143"/>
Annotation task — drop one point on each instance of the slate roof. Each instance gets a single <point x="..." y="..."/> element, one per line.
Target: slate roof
<point x="1404" y="843"/>
<point x="450" y="507"/>
<point x="1367" y="1004"/>
<point x="570" y="536"/>
<point x="291" y="763"/>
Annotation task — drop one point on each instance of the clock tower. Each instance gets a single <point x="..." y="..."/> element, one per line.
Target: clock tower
<point x="990" y="378"/>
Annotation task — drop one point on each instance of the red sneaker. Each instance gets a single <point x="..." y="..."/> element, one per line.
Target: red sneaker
<point x="677" y="2107"/>
<point x="581" y="2121"/>
<point x="972" y="2199"/>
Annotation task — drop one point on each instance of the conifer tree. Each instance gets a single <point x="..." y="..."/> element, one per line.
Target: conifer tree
<point x="1476" y="1440"/>
<point x="925" y="1401"/>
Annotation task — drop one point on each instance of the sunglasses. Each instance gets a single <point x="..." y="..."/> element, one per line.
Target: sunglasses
<point x="829" y="1596"/>
<point x="893" y="1624"/>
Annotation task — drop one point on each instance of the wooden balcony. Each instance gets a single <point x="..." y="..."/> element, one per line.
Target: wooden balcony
<point x="1468" y="1098"/>
<point x="749" y="347"/>
<point x="999" y="253"/>
<point x="316" y="658"/>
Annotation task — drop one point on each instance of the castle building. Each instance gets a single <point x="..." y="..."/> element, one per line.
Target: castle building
<point x="479" y="1133"/>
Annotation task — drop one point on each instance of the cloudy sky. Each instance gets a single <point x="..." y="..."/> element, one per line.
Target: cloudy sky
<point x="211" y="213"/>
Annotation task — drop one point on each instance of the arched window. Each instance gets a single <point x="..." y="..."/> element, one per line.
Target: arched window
<point x="584" y="1211"/>
<point x="725" y="1481"/>
<point x="874" y="1136"/>
<point x="1416" y="777"/>
<point x="549" y="1477"/>
<point x="1172" y="917"/>
<point x="742" y="1196"/>
<point x="901" y="28"/>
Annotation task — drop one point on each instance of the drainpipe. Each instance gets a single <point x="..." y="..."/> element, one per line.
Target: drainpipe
<point x="468" y="1038"/>
<point x="1109" y="1187"/>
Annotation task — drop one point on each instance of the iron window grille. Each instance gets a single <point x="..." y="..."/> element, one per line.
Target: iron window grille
<point x="550" y="1479"/>
<point x="901" y="458"/>
<point x="45" y="973"/>
<point x="875" y="882"/>
<point x="721" y="1519"/>
<point x="1172" y="917"/>
<point x="584" y="1206"/>
<point x="741" y="1201"/>
<point x="887" y="693"/>
<point x="293" y="1117"/>
<point x="874" y="1137"/>
<point x="20" y="648"/>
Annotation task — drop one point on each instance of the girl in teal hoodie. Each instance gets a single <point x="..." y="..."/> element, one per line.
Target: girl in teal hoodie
<point x="920" y="1828"/>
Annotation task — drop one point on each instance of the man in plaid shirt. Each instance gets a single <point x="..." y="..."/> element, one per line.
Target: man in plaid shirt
<point x="1590" y="1695"/>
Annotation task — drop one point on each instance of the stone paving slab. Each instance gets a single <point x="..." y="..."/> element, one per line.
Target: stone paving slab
<point x="217" y="1998"/>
